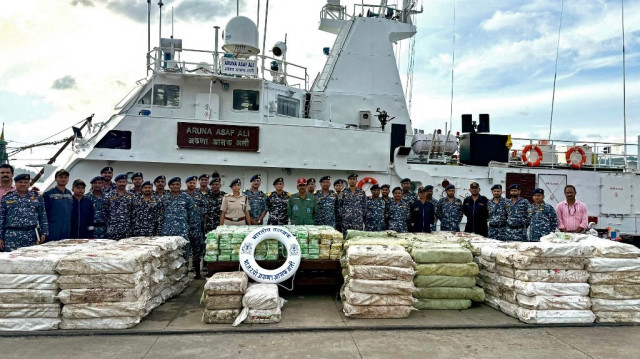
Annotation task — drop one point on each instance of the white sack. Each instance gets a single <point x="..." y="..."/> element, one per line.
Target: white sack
<point x="20" y="310"/>
<point x="377" y="299"/>
<point x="541" y="288"/>
<point x="28" y="281"/>
<point x="381" y="272"/>
<point x="613" y="305"/>
<point x="29" y="324"/>
<point x="613" y="264"/>
<point x="28" y="296"/>
<point x="555" y="316"/>
<point x="380" y="255"/>
<point x="100" y="323"/>
<point x="395" y="287"/>
<point x="552" y="302"/>
<point x="376" y="312"/>
<point x="615" y="278"/>
<point x="227" y="283"/>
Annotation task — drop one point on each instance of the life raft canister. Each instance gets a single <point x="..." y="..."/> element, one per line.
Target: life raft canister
<point x="525" y="158"/>
<point x="370" y="180"/>
<point x="285" y="271"/>
<point x="583" y="158"/>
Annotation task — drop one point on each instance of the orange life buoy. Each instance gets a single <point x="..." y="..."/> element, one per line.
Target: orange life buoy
<point x="525" y="159"/>
<point x="367" y="180"/>
<point x="583" y="159"/>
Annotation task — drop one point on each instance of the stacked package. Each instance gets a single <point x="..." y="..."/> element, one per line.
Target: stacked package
<point x="614" y="275"/>
<point x="379" y="282"/>
<point x="541" y="282"/>
<point x="115" y="286"/>
<point x="446" y="276"/>
<point x="262" y="305"/>
<point x="223" y="294"/>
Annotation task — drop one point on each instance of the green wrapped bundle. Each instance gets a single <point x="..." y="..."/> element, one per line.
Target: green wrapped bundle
<point x="446" y="304"/>
<point x="448" y="269"/>
<point x="476" y="294"/>
<point x="354" y="233"/>
<point x="427" y="281"/>
<point x="235" y="258"/>
<point x="210" y="258"/>
<point x="445" y="254"/>
<point x="224" y="257"/>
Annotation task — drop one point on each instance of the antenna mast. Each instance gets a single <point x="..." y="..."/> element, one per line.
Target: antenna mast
<point x="160" y="26"/>
<point x="172" y="22"/>
<point x="555" y="71"/>
<point x="624" y="92"/>
<point x="148" y="35"/>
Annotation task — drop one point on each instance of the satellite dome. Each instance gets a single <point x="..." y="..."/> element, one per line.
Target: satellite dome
<point x="241" y="37"/>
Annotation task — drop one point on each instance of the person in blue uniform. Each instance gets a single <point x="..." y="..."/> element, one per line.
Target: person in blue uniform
<point x="82" y="213"/>
<point x="196" y="234"/>
<point x="544" y="219"/>
<point x="58" y="203"/>
<point x="398" y="212"/>
<point x="148" y="212"/>
<point x="385" y="191"/>
<point x="352" y="205"/>
<point x="449" y="210"/>
<point x="203" y="180"/>
<point x="214" y="204"/>
<point x="137" y="179"/>
<point x="23" y="218"/>
<point x="517" y="215"/>
<point x="326" y="198"/>
<point x="407" y="196"/>
<point x="257" y="201"/>
<point x="475" y="209"/>
<point x="375" y="219"/>
<point x="311" y="186"/>
<point x="107" y="174"/>
<point x="119" y="210"/>
<point x="422" y="213"/>
<point x="497" y="214"/>
<point x="98" y="199"/>
<point x="160" y="183"/>
<point x="338" y="186"/>
<point x="277" y="202"/>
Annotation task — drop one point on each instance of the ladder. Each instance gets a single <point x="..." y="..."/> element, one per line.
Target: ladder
<point x="320" y="84"/>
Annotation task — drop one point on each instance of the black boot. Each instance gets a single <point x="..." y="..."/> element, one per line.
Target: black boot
<point x="197" y="268"/>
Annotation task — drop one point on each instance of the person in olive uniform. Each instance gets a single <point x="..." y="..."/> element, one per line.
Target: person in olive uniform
<point x="302" y="207"/>
<point x="277" y="202"/>
<point x="235" y="206"/>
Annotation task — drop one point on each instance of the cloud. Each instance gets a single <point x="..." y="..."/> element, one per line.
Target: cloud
<point x="133" y="9"/>
<point x="508" y="19"/>
<point x="82" y="2"/>
<point x="64" y="83"/>
<point x="203" y="10"/>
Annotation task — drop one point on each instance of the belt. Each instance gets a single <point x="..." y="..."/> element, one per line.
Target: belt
<point x="23" y="228"/>
<point x="517" y="227"/>
<point x="237" y="219"/>
<point x="100" y="225"/>
<point x="497" y="226"/>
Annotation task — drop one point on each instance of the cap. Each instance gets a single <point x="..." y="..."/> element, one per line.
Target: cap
<point x="385" y="186"/>
<point x="279" y="179"/>
<point x="204" y="175"/>
<point x="255" y="177"/>
<point x="474" y="185"/>
<point x="96" y="179"/>
<point x="374" y="187"/>
<point x="146" y="183"/>
<point x="397" y="189"/>
<point x="421" y="189"/>
<point x="311" y="180"/>
<point x="405" y="180"/>
<point x="214" y="180"/>
<point x="538" y="190"/>
<point x="61" y="172"/>
<point x="325" y="178"/>
<point x="235" y="182"/>
<point x="22" y="177"/>
<point x="121" y="176"/>
<point x="215" y="174"/>
<point x="191" y="178"/>
<point x="352" y="175"/>
<point x="79" y="183"/>
<point x="161" y="177"/>
<point x="136" y="175"/>
<point x="301" y="181"/>
<point x="174" y="179"/>
<point x="106" y="169"/>
<point x="496" y="186"/>
<point x="338" y="181"/>
<point x="514" y="186"/>
<point x="428" y="187"/>
<point x="449" y="187"/>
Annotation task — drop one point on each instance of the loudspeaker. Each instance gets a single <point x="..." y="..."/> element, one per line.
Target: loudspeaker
<point x="398" y="134"/>
<point x="467" y="124"/>
<point x="483" y="126"/>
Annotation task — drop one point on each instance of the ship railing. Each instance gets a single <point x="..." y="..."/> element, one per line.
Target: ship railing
<point x="334" y="12"/>
<point x="598" y="155"/>
<point x="392" y="11"/>
<point x="209" y="63"/>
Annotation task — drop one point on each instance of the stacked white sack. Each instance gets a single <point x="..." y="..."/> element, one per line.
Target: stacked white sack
<point x="114" y="287"/>
<point x="222" y="297"/>
<point x="495" y="290"/>
<point x="543" y="282"/>
<point x="446" y="276"/>
<point x="380" y="282"/>
<point x="262" y="305"/>
<point x="614" y="275"/>
<point x="28" y="285"/>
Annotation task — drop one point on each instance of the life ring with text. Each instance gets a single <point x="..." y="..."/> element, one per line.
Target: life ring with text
<point x="525" y="158"/>
<point x="254" y="271"/>
<point x="583" y="157"/>
<point x="370" y="180"/>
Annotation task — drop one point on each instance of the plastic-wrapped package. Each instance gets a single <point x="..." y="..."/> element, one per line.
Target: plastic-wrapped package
<point x="379" y="255"/>
<point x="615" y="305"/>
<point x="444" y="281"/>
<point x="226" y="283"/>
<point x="448" y="269"/>
<point x="262" y="296"/>
<point x="446" y="304"/>
<point x="380" y="272"/>
<point x="376" y="311"/>
<point x="356" y="298"/>
<point x="614" y="278"/>
<point x="25" y="310"/>
<point x="615" y="291"/>
<point x="552" y="302"/>
<point x="393" y="287"/>
<point x="476" y="294"/>
<point x="264" y="316"/>
<point x="32" y="296"/>
<point x="103" y="310"/>
<point x="228" y="301"/>
<point x="541" y="288"/>
<point x="550" y="275"/>
<point x="613" y="265"/>
<point x="440" y="254"/>
<point x="555" y="316"/>
<point x="29" y="324"/>
<point x="100" y="323"/>
<point x="28" y="281"/>
<point x="617" y="317"/>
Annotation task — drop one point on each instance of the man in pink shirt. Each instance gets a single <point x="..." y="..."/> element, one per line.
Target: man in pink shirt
<point x="6" y="179"/>
<point x="572" y="214"/>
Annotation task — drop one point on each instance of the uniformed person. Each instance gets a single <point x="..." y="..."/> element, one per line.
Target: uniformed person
<point x="376" y="216"/>
<point x="119" y="210"/>
<point x="449" y="210"/>
<point x="160" y="182"/>
<point x="277" y="202"/>
<point x="422" y="213"/>
<point x="429" y="193"/>
<point x="497" y="214"/>
<point x="352" y="205"/>
<point x="204" y="184"/>
<point x="476" y="210"/>
<point x="407" y="196"/>
<point x="517" y="215"/>
<point x="338" y="186"/>
<point x="385" y="191"/>
<point x="58" y="203"/>
<point x="137" y="179"/>
<point x="302" y="207"/>
<point x="544" y="219"/>
<point x="23" y="218"/>
<point x="311" y="186"/>
<point x="107" y="174"/>
<point x="214" y="202"/>
<point x="235" y="206"/>
<point x="326" y="199"/>
<point x="98" y="199"/>
<point x="257" y="201"/>
<point x="82" y="213"/>
<point x="196" y="234"/>
<point x="398" y="212"/>
<point x="148" y="212"/>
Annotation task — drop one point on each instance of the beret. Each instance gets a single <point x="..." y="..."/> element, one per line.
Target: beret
<point x="174" y="179"/>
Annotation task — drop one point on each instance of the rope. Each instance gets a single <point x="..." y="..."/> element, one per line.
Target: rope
<point x="453" y="64"/>
<point x="555" y="72"/>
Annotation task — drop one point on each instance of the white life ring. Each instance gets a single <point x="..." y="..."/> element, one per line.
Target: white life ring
<point x="250" y="266"/>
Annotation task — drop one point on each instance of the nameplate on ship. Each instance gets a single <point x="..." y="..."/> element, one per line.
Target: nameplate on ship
<point x="218" y="137"/>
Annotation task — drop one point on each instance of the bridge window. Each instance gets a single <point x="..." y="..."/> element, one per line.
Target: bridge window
<point x="118" y="140"/>
<point x="246" y="100"/>
<point x="166" y="95"/>
<point x="288" y="106"/>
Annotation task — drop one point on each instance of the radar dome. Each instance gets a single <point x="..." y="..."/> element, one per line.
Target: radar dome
<point x="241" y="37"/>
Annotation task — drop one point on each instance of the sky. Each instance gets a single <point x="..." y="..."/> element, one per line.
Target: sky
<point x="68" y="59"/>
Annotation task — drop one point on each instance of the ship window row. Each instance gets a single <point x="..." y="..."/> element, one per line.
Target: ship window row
<point x="288" y="106"/>
<point x="163" y="95"/>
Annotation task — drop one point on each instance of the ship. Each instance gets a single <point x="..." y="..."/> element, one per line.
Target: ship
<point x="241" y="109"/>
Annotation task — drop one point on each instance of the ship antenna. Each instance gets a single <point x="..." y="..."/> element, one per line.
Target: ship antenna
<point x="160" y="24"/>
<point x="237" y="7"/>
<point x="148" y="35"/>
<point x="264" y="37"/>
<point x="555" y="72"/>
<point x="172" y="22"/>
<point x="624" y="91"/>
<point x="453" y="64"/>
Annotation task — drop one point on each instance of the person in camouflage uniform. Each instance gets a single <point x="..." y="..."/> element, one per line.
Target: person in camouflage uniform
<point x="119" y="210"/>
<point x="257" y="201"/>
<point x="429" y="191"/>
<point x="203" y="180"/>
<point x="326" y="199"/>
<point x="196" y="234"/>
<point x="517" y="215"/>
<point x="311" y="186"/>
<point x="449" y="211"/>
<point x="497" y="214"/>
<point x="160" y="183"/>
<point x="137" y="179"/>
<point x="398" y="212"/>
<point x="148" y="212"/>
<point x="385" y="190"/>
<point x="107" y="174"/>
<point x="277" y="202"/>
<point x="544" y="219"/>
<point x="98" y="198"/>
<point x="338" y="186"/>
<point x="214" y="204"/>
<point x="408" y="197"/>
<point x="376" y="216"/>
<point x="352" y="205"/>
<point x="22" y="217"/>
